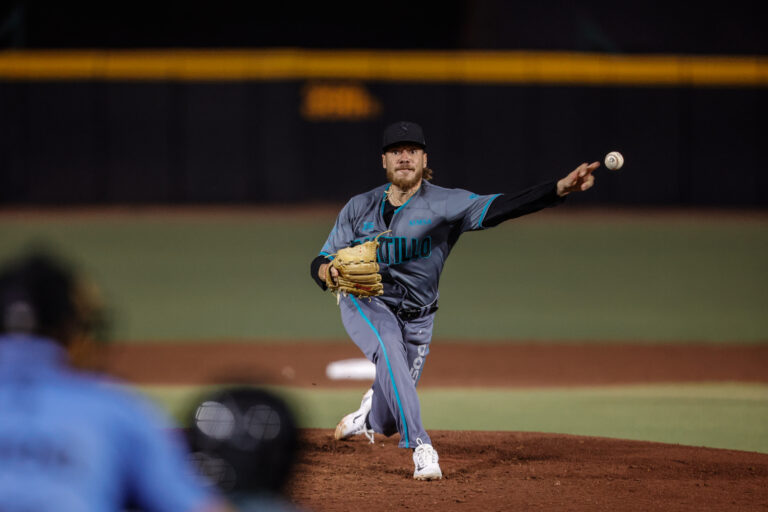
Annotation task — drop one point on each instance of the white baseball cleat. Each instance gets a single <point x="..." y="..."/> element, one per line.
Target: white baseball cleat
<point x="425" y="460"/>
<point x="354" y="423"/>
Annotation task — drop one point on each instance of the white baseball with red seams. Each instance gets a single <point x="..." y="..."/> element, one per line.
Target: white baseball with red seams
<point x="614" y="160"/>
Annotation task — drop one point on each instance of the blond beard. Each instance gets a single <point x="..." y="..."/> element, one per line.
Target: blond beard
<point x="404" y="183"/>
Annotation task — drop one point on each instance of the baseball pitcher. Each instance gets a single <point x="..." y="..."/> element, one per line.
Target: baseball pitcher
<point x="383" y="260"/>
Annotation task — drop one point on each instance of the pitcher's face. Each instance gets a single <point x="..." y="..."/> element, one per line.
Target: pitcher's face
<point x="405" y="165"/>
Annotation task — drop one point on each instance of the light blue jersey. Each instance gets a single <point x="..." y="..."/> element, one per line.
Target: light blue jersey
<point x="423" y="232"/>
<point x="72" y="442"/>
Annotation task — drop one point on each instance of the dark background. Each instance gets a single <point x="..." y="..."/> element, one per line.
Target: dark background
<point x="241" y="142"/>
<point x="733" y="27"/>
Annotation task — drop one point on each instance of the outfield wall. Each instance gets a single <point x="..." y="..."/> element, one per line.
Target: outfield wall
<point x="100" y="127"/>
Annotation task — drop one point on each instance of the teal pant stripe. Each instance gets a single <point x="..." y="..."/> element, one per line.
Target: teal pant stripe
<point x="389" y="367"/>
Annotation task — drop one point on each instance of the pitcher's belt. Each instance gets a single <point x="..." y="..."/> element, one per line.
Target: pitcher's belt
<point x="412" y="313"/>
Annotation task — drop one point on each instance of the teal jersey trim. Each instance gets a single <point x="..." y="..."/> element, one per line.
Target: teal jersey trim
<point x="405" y="203"/>
<point x="384" y="199"/>
<point x="400" y="207"/>
<point x="327" y="255"/>
<point x="485" y="210"/>
<point x="389" y="367"/>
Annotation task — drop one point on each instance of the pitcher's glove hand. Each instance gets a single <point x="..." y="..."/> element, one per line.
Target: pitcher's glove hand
<point x="358" y="270"/>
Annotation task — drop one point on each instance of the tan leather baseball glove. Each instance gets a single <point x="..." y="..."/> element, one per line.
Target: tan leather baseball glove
<point x="358" y="270"/>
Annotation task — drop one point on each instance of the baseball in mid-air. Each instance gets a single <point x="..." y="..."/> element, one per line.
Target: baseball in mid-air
<point x="614" y="160"/>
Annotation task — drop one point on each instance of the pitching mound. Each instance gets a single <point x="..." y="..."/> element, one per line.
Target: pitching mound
<point x="495" y="470"/>
<point x="527" y="471"/>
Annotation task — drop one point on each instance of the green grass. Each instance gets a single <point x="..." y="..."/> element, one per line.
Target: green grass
<point x="195" y="279"/>
<point x="553" y="277"/>
<point x="623" y="281"/>
<point x="719" y="415"/>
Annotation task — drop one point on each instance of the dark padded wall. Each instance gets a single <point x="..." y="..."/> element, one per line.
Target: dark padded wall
<point x="245" y="142"/>
<point x="101" y="142"/>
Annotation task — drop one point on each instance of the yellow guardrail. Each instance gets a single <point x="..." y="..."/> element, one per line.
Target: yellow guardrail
<point x="471" y="67"/>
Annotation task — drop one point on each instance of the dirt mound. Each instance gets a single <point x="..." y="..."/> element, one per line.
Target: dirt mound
<point x="525" y="471"/>
<point x="494" y="470"/>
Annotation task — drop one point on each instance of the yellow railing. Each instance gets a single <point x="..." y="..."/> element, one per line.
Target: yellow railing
<point x="472" y="67"/>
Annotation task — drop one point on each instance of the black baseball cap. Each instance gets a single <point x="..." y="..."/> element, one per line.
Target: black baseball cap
<point x="403" y="131"/>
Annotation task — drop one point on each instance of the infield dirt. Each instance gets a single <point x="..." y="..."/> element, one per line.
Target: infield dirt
<point x="494" y="470"/>
<point x="448" y="363"/>
<point x="526" y="471"/>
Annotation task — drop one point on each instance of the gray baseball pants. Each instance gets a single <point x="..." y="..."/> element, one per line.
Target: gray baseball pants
<point x="398" y="349"/>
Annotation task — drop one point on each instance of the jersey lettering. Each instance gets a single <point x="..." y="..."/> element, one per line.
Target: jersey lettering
<point x="398" y="250"/>
<point x="418" y="363"/>
<point x="395" y="250"/>
<point x="38" y="452"/>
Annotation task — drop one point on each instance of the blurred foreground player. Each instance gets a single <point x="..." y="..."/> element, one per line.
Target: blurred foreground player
<point x="69" y="440"/>
<point x="244" y="439"/>
<point x="415" y="225"/>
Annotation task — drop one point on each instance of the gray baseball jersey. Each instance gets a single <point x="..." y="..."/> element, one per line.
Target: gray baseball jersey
<point x="424" y="230"/>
